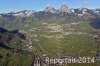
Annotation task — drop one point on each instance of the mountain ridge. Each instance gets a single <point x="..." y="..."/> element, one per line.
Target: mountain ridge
<point x="63" y="9"/>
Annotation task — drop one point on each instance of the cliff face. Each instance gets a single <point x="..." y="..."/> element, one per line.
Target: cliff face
<point x="50" y="9"/>
<point x="64" y="9"/>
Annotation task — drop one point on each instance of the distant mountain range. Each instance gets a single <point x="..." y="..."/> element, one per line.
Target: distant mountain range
<point x="65" y="14"/>
<point x="63" y="9"/>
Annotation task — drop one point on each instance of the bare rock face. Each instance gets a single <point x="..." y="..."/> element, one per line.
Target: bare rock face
<point x="50" y="9"/>
<point x="64" y="9"/>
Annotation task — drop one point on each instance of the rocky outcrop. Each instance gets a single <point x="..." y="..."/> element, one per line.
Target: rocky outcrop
<point x="64" y="9"/>
<point x="50" y="9"/>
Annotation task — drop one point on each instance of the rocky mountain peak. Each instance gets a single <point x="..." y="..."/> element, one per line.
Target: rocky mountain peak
<point x="64" y="8"/>
<point x="50" y="9"/>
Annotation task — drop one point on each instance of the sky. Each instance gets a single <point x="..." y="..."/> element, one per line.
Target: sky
<point x="39" y="5"/>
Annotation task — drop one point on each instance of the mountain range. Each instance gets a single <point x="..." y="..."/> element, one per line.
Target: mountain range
<point x="64" y="9"/>
<point x="65" y="13"/>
